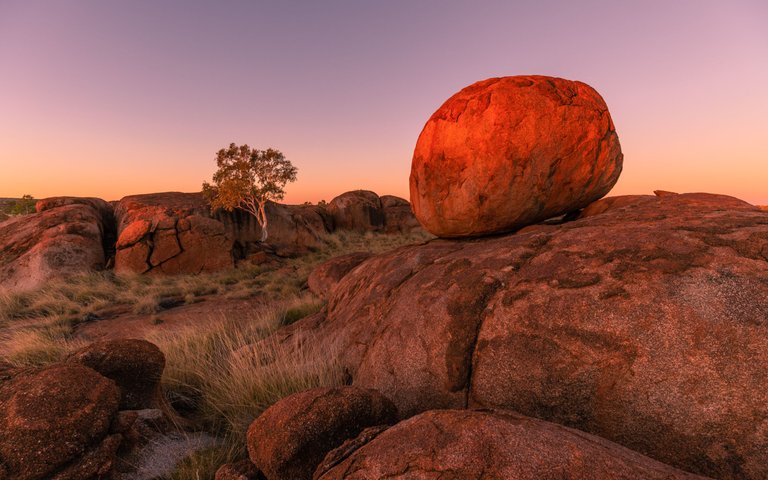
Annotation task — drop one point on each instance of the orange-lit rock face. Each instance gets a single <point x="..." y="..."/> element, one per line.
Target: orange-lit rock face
<point x="507" y="152"/>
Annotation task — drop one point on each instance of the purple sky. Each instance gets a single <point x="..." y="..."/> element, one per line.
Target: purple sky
<point x="110" y="98"/>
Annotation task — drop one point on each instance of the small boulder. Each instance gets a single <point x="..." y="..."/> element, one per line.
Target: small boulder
<point x="327" y="275"/>
<point x="508" y="152"/>
<point x="135" y="365"/>
<point x="459" y="444"/>
<point x="293" y="436"/>
<point x="358" y="210"/>
<point x="57" y="418"/>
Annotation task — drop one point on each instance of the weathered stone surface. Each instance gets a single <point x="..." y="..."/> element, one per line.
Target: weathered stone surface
<point x="244" y="470"/>
<point x="508" y="152"/>
<point x="293" y="436"/>
<point x="358" y="210"/>
<point x="341" y="453"/>
<point x="324" y="278"/>
<point x="612" y="203"/>
<point x="398" y="216"/>
<point x="460" y="444"/>
<point x="53" y="243"/>
<point x="54" y="423"/>
<point x="645" y="325"/>
<point x="136" y="366"/>
<point x="170" y="233"/>
<point x="101" y="206"/>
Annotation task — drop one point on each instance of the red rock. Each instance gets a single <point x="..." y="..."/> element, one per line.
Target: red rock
<point x="645" y="325"/>
<point x="243" y="470"/>
<point x="455" y="444"/>
<point x="54" y="423"/>
<point x="512" y="151"/>
<point x="293" y="229"/>
<point x="612" y="203"/>
<point x="135" y="365"/>
<point x="293" y="436"/>
<point x="101" y="206"/>
<point x="324" y="278"/>
<point x="398" y="216"/>
<point x="170" y="233"/>
<point x="54" y="243"/>
<point x="358" y="210"/>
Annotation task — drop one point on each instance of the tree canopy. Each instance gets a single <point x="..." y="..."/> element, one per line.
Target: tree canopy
<point x="247" y="178"/>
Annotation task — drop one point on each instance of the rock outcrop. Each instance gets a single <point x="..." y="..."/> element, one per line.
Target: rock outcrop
<point x="324" y="278"/>
<point x="169" y="233"/>
<point x="398" y="216"/>
<point x="293" y="229"/>
<point x="54" y="424"/>
<point x="358" y="210"/>
<point x="645" y="325"/>
<point x="460" y="444"/>
<point x="56" y="242"/>
<point x="508" y="152"/>
<point x="292" y="436"/>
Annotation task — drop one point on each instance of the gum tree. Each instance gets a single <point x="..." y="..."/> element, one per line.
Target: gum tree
<point x="247" y="179"/>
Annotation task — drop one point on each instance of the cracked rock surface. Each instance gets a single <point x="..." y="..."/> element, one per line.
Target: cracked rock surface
<point x="508" y="152"/>
<point x="461" y="444"/>
<point x="644" y="324"/>
<point x="169" y="233"/>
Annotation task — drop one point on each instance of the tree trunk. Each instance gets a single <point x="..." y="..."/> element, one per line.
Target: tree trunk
<point x="263" y="222"/>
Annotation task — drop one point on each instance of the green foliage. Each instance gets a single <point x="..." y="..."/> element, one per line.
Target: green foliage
<point x="249" y="178"/>
<point x="25" y="205"/>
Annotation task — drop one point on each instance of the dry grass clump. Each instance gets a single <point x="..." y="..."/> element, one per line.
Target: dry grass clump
<point x="225" y="374"/>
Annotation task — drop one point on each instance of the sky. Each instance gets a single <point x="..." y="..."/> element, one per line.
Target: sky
<point x="111" y="98"/>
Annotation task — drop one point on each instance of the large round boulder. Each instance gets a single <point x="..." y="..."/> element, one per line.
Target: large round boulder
<point x="292" y="436"/>
<point x="54" y="423"/>
<point x="508" y="152"/>
<point x="645" y="325"/>
<point x="460" y="444"/>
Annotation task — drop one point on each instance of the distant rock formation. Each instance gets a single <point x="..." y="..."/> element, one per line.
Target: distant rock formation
<point x="512" y="151"/>
<point x="169" y="233"/>
<point x="644" y="322"/>
<point x="56" y="242"/>
<point x="174" y="233"/>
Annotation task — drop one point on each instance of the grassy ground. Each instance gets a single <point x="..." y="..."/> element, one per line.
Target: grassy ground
<point x="209" y="377"/>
